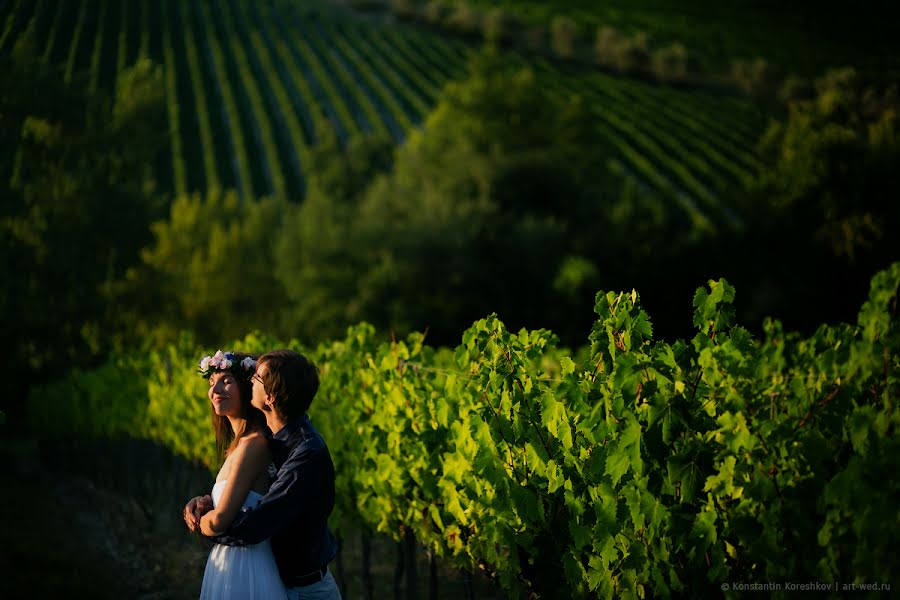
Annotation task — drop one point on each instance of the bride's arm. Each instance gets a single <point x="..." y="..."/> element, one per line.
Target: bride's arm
<point x="251" y="457"/>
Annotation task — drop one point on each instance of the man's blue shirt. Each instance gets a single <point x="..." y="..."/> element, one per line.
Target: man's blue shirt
<point x="294" y="513"/>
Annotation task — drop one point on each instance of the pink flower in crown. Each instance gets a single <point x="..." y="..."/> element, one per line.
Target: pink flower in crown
<point x="218" y="360"/>
<point x="204" y="363"/>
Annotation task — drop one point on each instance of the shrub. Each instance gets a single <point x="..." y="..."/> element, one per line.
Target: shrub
<point x="633" y="53"/>
<point x="464" y="19"/>
<point x="606" y="45"/>
<point x="368" y="5"/>
<point x="752" y="76"/>
<point x="497" y="25"/>
<point x="436" y="12"/>
<point x="834" y="168"/>
<point x="796" y="88"/>
<point x="535" y="37"/>
<point x="403" y="9"/>
<point x="671" y="62"/>
<point x="564" y="32"/>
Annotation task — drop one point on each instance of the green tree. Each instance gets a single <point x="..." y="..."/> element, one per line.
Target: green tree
<point x="502" y="189"/>
<point x="835" y="160"/>
<point x="318" y="260"/>
<point x="820" y="217"/>
<point x="503" y="201"/>
<point x="209" y="269"/>
<point x="77" y="198"/>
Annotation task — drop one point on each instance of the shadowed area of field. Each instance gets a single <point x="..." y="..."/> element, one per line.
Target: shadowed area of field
<point x="75" y="531"/>
<point x="67" y="537"/>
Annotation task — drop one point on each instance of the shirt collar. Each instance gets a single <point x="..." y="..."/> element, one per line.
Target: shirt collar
<point x="286" y="438"/>
<point x="290" y="428"/>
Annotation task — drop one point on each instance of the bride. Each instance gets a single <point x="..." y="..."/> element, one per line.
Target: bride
<point x="234" y="572"/>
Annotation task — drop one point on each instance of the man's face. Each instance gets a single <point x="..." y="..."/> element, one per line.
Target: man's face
<point x="259" y="396"/>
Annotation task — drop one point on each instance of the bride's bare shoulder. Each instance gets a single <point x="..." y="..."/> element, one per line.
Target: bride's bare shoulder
<point x="254" y="442"/>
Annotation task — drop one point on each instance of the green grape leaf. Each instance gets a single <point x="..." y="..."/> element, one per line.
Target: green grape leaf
<point x="555" y="419"/>
<point x="574" y="503"/>
<point x="641" y="326"/>
<point x="687" y="474"/>
<point x="581" y="535"/>
<point x="632" y="495"/>
<point x="723" y="482"/>
<point x="606" y="505"/>
<point x="616" y="465"/>
<point x="452" y="505"/>
<point x="737" y="436"/>
<point x="456" y="467"/>
<point x="555" y="477"/>
<point x="436" y="516"/>
<point x="859" y="427"/>
<point x="663" y="412"/>
<point x="598" y="574"/>
<point x="626" y="453"/>
<point x="442" y="411"/>
<point x="526" y="504"/>
<point x="703" y="531"/>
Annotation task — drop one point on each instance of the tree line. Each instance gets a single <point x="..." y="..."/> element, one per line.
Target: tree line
<point x="501" y="202"/>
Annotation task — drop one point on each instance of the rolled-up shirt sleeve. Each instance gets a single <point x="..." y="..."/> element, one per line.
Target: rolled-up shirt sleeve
<point x="291" y="494"/>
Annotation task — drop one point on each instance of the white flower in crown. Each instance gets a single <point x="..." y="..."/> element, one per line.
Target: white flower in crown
<point x="248" y="364"/>
<point x="204" y="364"/>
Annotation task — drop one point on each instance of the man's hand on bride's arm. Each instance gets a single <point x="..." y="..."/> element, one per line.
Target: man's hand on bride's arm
<point x="194" y="510"/>
<point x="211" y="524"/>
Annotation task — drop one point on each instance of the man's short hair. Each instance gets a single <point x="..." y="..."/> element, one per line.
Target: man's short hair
<point x="292" y="379"/>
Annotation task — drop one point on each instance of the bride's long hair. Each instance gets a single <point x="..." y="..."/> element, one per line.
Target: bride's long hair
<point x="253" y="419"/>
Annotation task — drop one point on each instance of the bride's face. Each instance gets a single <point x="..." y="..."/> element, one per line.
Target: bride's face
<point x="225" y="394"/>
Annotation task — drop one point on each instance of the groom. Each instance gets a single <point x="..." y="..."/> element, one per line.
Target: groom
<point x="294" y="513"/>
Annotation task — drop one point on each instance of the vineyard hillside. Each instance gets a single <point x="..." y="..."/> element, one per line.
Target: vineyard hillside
<point x="252" y="89"/>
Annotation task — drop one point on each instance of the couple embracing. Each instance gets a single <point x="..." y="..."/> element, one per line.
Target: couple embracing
<point x="268" y="512"/>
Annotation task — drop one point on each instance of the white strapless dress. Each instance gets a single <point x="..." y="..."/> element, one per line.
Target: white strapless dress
<point x="239" y="572"/>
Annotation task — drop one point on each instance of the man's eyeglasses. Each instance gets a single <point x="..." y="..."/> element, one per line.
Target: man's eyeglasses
<point x="256" y="377"/>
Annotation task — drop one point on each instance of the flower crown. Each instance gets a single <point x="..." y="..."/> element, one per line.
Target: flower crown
<point x="224" y="361"/>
